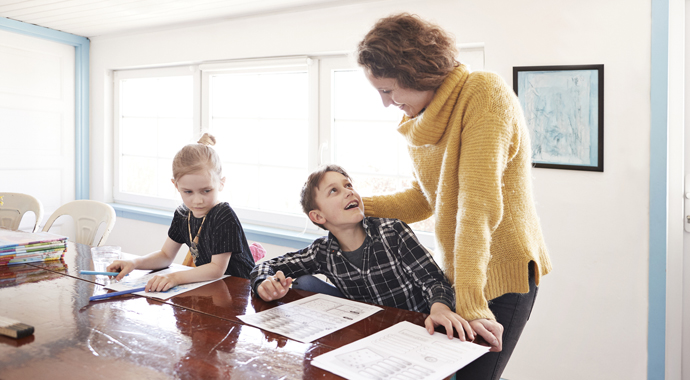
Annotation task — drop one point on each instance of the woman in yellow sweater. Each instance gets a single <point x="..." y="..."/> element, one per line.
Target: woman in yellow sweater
<point x="471" y="155"/>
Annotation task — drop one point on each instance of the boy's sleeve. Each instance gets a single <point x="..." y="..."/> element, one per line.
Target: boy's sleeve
<point x="420" y="264"/>
<point x="292" y="264"/>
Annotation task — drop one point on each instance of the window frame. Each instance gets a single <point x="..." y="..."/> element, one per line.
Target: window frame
<point x="119" y="75"/>
<point x="320" y="118"/>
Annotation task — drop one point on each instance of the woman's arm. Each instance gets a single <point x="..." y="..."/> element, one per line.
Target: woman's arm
<point x="409" y="205"/>
<point x="489" y="142"/>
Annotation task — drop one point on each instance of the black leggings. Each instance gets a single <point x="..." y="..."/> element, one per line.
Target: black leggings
<point x="512" y="310"/>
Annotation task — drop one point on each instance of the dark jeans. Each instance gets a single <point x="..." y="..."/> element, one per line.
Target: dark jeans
<point x="316" y="285"/>
<point x="512" y="310"/>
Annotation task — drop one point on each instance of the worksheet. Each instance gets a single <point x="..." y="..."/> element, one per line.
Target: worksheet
<point x="133" y="282"/>
<point x="402" y="351"/>
<point x="312" y="317"/>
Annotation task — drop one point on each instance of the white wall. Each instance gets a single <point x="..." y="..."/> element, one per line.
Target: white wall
<point x="590" y="319"/>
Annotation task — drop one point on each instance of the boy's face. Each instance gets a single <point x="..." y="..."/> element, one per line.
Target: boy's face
<point x="339" y="204"/>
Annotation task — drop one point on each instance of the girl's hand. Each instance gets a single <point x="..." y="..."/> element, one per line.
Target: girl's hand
<point x="491" y="331"/>
<point x="161" y="283"/>
<point x="274" y="287"/>
<point x="122" y="266"/>
<point x="443" y="315"/>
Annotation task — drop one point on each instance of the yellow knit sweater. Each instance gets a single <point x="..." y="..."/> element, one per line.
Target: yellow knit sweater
<point x="471" y="156"/>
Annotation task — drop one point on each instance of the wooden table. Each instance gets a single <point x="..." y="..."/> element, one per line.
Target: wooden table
<point x="195" y="335"/>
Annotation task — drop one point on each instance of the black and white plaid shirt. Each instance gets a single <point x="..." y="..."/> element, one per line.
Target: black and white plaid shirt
<point x="396" y="271"/>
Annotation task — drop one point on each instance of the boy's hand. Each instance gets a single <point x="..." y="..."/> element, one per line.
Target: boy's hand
<point x="442" y="315"/>
<point x="122" y="266"/>
<point x="161" y="282"/>
<point x="491" y="331"/>
<point x="274" y="287"/>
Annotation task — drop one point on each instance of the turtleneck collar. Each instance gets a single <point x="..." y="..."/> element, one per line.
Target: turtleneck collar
<point x="429" y="126"/>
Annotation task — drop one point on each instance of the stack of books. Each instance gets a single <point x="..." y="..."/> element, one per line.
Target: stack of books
<point x="17" y="247"/>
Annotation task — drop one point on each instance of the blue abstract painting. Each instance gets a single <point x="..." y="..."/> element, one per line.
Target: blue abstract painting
<point x="561" y="108"/>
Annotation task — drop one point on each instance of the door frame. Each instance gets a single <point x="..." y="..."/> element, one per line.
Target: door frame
<point x="667" y="172"/>
<point x="81" y="93"/>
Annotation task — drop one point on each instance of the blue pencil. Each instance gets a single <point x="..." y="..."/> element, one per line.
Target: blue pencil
<point x="101" y="273"/>
<point x="108" y="295"/>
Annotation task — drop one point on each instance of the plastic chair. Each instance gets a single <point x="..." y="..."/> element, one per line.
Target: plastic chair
<point x="88" y="216"/>
<point x="15" y="205"/>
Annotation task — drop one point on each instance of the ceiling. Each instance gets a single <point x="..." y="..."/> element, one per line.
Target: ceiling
<point x="90" y="18"/>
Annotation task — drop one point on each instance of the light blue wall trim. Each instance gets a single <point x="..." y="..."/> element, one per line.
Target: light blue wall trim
<point x="81" y="93"/>
<point x="261" y="234"/>
<point x="658" y="190"/>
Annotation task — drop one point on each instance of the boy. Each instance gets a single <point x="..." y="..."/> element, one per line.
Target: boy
<point x="373" y="260"/>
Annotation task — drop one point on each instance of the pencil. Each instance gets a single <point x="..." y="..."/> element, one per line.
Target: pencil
<point x="108" y="295"/>
<point x="101" y="273"/>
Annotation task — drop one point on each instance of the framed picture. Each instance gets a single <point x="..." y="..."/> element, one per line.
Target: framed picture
<point x="564" y="109"/>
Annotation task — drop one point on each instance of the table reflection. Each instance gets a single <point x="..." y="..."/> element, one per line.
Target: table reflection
<point x="196" y="334"/>
<point x="16" y="274"/>
<point x="137" y="337"/>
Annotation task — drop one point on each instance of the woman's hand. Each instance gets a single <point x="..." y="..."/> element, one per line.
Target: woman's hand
<point x="442" y="315"/>
<point x="491" y="331"/>
<point x="122" y="266"/>
<point x="161" y="282"/>
<point x="274" y="287"/>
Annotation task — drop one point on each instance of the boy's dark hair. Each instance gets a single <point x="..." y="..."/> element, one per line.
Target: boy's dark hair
<point x="308" y="196"/>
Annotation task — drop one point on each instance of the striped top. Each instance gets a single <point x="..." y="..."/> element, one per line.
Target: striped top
<point x="222" y="233"/>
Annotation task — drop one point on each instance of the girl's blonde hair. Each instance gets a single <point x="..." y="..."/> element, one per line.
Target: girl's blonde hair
<point x="198" y="157"/>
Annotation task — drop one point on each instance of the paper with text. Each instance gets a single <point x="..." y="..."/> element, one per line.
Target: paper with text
<point x="402" y="351"/>
<point x="140" y="281"/>
<point x="311" y="318"/>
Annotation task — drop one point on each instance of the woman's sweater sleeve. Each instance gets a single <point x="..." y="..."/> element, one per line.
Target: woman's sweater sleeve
<point x="409" y="205"/>
<point x="489" y="142"/>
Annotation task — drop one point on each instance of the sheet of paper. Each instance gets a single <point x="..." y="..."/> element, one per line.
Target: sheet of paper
<point x="311" y="318"/>
<point x="402" y="351"/>
<point x="140" y="281"/>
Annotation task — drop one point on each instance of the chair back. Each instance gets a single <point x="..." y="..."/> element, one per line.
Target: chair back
<point x="15" y="205"/>
<point x="88" y="216"/>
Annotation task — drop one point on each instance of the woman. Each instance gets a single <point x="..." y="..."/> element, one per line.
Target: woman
<point x="470" y="151"/>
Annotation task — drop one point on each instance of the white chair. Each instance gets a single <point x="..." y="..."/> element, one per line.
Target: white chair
<point x="88" y="216"/>
<point x="15" y="205"/>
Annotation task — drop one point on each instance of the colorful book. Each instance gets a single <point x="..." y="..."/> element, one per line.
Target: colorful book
<point x="31" y="257"/>
<point x="18" y="247"/>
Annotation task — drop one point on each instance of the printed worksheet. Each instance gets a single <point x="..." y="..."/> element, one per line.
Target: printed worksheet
<point x="402" y="351"/>
<point x="140" y="281"/>
<point x="312" y="317"/>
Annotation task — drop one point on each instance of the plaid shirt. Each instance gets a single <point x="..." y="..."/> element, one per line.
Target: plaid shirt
<point x="397" y="270"/>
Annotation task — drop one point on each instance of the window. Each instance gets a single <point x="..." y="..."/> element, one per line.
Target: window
<point x="155" y="117"/>
<point x="275" y="121"/>
<point x="260" y="116"/>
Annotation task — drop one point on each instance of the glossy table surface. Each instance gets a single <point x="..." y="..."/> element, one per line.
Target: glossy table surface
<point x="193" y="335"/>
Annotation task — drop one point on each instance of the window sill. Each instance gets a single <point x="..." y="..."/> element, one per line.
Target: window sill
<point x="268" y="235"/>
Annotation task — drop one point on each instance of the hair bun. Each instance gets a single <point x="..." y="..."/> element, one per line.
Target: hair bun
<point x="207" y="139"/>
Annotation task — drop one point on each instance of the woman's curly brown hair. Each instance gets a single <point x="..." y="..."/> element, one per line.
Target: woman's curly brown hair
<point x="416" y="53"/>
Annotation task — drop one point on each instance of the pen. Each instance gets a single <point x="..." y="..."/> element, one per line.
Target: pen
<point x="102" y="273"/>
<point x="108" y="295"/>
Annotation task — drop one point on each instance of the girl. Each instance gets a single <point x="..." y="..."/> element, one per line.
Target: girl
<point x="208" y="226"/>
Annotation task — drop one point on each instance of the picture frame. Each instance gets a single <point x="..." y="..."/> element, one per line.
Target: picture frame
<point x="564" y="110"/>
